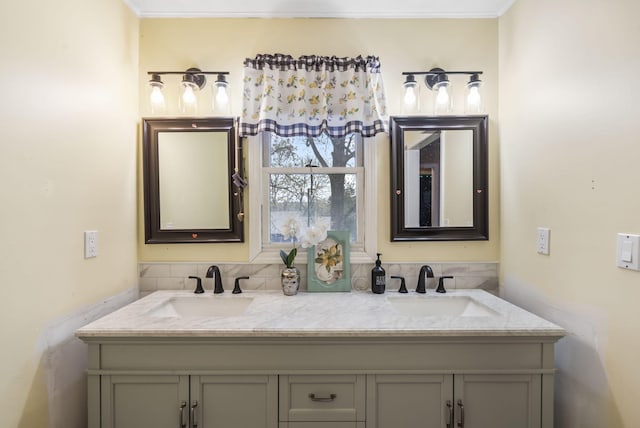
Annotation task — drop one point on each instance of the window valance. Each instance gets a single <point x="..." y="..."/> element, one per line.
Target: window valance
<point x="311" y="95"/>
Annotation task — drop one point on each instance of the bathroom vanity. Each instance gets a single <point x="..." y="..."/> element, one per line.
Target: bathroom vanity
<point x="331" y="360"/>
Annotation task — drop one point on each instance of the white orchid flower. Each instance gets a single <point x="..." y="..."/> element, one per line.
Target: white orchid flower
<point x="313" y="236"/>
<point x="290" y="228"/>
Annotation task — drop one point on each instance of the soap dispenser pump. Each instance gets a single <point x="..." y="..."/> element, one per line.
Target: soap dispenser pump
<point x="378" y="278"/>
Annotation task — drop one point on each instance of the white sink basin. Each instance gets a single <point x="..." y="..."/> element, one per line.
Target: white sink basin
<point x="454" y="306"/>
<point x="201" y="306"/>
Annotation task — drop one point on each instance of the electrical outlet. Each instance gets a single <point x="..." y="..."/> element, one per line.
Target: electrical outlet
<point x="90" y="244"/>
<point x="542" y="241"/>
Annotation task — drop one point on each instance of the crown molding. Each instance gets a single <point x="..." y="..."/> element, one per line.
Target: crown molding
<point x="372" y="9"/>
<point x="505" y="7"/>
<point x="343" y="15"/>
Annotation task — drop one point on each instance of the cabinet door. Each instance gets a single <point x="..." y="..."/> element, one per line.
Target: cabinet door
<point x="235" y="401"/>
<point x="498" y="401"/>
<point x="409" y="401"/>
<point x="144" y="401"/>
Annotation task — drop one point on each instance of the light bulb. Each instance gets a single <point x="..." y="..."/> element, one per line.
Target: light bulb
<point x="188" y="97"/>
<point x="410" y="98"/>
<point x="156" y="99"/>
<point x="473" y="100"/>
<point x="221" y="101"/>
<point x="221" y="95"/>
<point x="443" y="97"/>
<point x="443" y="100"/>
<point x="438" y="81"/>
<point x="188" y="100"/>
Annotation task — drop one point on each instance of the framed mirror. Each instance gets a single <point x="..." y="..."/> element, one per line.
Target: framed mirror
<point x="439" y="178"/>
<point x="189" y="194"/>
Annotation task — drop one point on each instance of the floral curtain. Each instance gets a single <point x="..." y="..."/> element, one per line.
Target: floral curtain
<point x="311" y="95"/>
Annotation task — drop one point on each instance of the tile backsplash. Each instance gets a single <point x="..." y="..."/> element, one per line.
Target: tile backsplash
<point x="174" y="276"/>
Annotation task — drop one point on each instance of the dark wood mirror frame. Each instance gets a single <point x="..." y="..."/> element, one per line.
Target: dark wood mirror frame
<point x="154" y="234"/>
<point x="480" y="228"/>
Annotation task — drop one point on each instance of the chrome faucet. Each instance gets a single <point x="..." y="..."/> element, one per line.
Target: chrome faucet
<point x="212" y="272"/>
<point x="426" y="269"/>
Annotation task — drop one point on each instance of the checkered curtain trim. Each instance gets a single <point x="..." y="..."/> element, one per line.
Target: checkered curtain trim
<point x="305" y="130"/>
<point x="312" y="95"/>
<point x="312" y="62"/>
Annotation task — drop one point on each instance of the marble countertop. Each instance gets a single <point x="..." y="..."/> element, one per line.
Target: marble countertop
<point x="361" y="314"/>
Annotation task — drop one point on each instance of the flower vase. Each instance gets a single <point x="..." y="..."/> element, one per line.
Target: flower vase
<point x="290" y="278"/>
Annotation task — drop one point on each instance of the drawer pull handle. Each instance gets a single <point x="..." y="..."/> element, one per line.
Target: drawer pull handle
<point x="450" y="412"/>
<point x="328" y="399"/>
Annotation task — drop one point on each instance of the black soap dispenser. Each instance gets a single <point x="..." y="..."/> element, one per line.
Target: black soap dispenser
<point x="378" y="278"/>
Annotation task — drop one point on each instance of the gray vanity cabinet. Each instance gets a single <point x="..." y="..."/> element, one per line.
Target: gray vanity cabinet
<point x="321" y="382"/>
<point x="159" y="401"/>
<point x="459" y="400"/>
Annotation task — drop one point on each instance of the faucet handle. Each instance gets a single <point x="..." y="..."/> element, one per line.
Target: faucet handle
<point x="236" y="285"/>
<point x="403" y="285"/>
<point x="440" y="288"/>
<point x="199" y="289"/>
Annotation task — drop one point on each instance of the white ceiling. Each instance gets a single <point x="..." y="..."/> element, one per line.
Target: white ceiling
<point x="321" y="8"/>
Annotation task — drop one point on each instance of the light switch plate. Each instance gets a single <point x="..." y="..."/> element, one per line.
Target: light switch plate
<point x="627" y="254"/>
<point x="542" y="240"/>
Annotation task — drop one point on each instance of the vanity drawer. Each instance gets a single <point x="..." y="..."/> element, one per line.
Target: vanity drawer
<point x="322" y="425"/>
<point x="322" y="398"/>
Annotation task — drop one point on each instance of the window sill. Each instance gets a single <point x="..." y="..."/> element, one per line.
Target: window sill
<point x="273" y="256"/>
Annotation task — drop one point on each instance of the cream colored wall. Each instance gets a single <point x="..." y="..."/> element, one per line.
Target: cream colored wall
<point x="570" y="155"/>
<point x="402" y="45"/>
<point x="68" y="78"/>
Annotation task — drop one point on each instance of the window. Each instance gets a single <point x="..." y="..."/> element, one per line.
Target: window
<point x="316" y="180"/>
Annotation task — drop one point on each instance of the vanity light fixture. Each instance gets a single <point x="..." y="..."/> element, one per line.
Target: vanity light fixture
<point x="193" y="80"/>
<point x="437" y="80"/>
